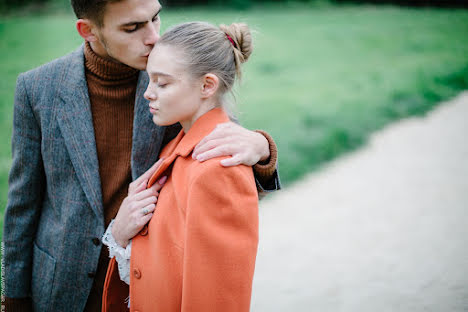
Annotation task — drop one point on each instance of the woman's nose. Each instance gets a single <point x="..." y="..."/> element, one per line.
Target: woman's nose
<point x="149" y="94"/>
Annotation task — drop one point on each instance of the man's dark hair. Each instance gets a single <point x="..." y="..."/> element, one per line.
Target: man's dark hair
<point x="91" y="9"/>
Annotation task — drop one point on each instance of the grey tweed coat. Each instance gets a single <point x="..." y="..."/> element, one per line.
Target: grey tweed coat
<point x="54" y="216"/>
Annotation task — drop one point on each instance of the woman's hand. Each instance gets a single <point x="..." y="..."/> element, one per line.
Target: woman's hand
<point x="137" y="208"/>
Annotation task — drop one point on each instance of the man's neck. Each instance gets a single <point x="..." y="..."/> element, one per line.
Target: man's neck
<point x="99" y="50"/>
<point x="106" y="69"/>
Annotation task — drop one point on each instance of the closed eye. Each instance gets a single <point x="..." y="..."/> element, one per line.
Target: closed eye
<point x="129" y="28"/>
<point x="133" y="28"/>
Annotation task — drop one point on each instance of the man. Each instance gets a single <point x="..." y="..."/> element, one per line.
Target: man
<point x="82" y="132"/>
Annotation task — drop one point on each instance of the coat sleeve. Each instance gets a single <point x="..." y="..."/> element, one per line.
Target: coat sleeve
<point x="221" y="239"/>
<point x="25" y="196"/>
<point x="266" y="174"/>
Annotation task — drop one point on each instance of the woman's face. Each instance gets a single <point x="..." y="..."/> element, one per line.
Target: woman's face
<point x="173" y="93"/>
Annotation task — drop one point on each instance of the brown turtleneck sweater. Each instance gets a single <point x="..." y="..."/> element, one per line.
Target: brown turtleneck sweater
<point x="111" y="88"/>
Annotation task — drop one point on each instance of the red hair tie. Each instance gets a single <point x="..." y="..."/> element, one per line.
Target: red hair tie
<point x="230" y="39"/>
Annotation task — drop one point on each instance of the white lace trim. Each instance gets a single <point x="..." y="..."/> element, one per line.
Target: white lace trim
<point x="122" y="255"/>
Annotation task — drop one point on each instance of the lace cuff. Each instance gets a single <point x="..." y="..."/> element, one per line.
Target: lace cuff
<point x="122" y="255"/>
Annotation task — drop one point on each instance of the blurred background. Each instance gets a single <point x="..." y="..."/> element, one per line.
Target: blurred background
<point x="324" y="75"/>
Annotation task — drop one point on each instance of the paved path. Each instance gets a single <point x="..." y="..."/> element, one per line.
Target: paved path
<point x="382" y="229"/>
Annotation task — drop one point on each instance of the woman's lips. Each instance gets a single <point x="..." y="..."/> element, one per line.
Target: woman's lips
<point x="153" y="110"/>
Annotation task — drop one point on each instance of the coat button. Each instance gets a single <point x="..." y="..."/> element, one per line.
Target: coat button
<point x="96" y="241"/>
<point x="136" y="273"/>
<point x="91" y="274"/>
<point x="144" y="230"/>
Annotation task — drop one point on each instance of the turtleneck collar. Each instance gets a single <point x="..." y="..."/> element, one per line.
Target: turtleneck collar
<point x="106" y="69"/>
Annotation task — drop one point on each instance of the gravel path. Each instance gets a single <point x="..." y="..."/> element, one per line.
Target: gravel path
<point x="381" y="229"/>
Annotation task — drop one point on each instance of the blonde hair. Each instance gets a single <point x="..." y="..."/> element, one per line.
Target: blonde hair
<point x="208" y="49"/>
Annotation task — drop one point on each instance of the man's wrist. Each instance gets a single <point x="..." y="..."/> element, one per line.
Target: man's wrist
<point x="266" y="168"/>
<point x="265" y="151"/>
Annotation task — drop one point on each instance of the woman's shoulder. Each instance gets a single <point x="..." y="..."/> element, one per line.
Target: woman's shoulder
<point x="211" y="172"/>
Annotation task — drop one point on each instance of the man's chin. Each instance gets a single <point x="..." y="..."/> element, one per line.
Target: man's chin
<point x="140" y="64"/>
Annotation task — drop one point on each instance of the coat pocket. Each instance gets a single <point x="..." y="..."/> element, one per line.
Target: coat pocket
<point x="43" y="272"/>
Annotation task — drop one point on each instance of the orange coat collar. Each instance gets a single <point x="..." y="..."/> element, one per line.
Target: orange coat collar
<point x="184" y="143"/>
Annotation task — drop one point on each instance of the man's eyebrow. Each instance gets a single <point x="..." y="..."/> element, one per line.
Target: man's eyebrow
<point x="139" y="22"/>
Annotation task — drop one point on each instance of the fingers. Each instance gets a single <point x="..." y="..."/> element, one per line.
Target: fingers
<point x="147" y="175"/>
<point x="212" y="136"/>
<point x="150" y="208"/>
<point x="140" y="187"/>
<point x="206" y="146"/>
<point x="146" y="202"/>
<point x="146" y="214"/>
<point x="159" y="184"/>
<point x="221" y="132"/>
<point x="145" y="219"/>
<point x="144" y="194"/>
<point x="215" y="152"/>
<point x="233" y="161"/>
<point x="215" y="148"/>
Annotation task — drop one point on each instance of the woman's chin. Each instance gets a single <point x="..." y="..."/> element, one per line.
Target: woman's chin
<point x="161" y="122"/>
<point x="157" y="121"/>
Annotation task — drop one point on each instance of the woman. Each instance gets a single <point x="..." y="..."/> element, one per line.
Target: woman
<point x="198" y="251"/>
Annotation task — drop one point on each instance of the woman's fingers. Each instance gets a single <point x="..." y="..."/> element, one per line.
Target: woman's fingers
<point x="144" y="177"/>
<point x="141" y="186"/>
<point x="137" y="186"/>
<point x="157" y="186"/>
<point x="145" y="209"/>
<point x="144" y="194"/>
<point x="145" y="220"/>
<point x="152" y="191"/>
<point x="147" y="175"/>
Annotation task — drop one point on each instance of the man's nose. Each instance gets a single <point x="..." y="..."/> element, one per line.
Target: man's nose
<point x="152" y="34"/>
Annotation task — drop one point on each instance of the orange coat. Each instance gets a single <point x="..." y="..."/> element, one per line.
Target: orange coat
<point x="198" y="251"/>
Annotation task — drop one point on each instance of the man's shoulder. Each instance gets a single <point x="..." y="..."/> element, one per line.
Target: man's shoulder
<point x="53" y="68"/>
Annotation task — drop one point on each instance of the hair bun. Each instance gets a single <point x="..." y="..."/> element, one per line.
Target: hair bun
<point x="240" y="34"/>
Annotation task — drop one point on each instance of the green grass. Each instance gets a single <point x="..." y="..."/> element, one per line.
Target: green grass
<point x="320" y="79"/>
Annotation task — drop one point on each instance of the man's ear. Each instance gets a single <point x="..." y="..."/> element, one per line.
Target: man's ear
<point x="87" y="29"/>
<point x="210" y="84"/>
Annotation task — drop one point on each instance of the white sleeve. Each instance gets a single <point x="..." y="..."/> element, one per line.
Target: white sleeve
<point x="122" y="255"/>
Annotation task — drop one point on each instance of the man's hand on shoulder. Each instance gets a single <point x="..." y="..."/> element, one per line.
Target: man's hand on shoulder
<point x="229" y="139"/>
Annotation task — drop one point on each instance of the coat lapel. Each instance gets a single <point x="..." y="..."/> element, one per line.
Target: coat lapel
<point x="184" y="144"/>
<point x="76" y="123"/>
<point x="147" y="137"/>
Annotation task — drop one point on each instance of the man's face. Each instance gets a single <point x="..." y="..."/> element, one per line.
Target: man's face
<point x="130" y="30"/>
